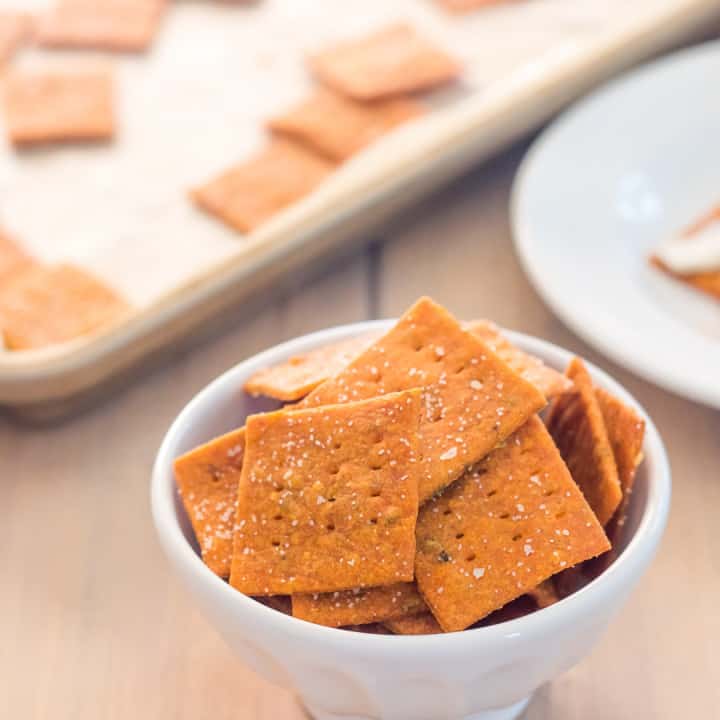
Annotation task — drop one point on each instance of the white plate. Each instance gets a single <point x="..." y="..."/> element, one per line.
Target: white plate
<point x="600" y="189"/>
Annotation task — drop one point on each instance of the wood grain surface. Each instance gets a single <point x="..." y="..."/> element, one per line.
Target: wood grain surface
<point x="92" y="624"/>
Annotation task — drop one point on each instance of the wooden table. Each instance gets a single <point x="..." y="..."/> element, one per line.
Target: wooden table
<point x="92" y="624"/>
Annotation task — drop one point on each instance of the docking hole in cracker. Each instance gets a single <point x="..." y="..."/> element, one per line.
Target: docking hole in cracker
<point x="413" y="489"/>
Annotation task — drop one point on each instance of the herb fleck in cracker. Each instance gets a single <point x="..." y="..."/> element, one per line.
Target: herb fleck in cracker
<point x="508" y="524"/>
<point x="249" y="194"/>
<point x="207" y="479"/>
<point x="337" y="126"/>
<point x="50" y="107"/>
<point x="472" y="399"/>
<point x="328" y="497"/>
<point x="394" y="61"/>
<point x="578" y="429"/>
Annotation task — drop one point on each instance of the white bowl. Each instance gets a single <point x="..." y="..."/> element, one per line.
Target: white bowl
<point x="487" y="673"/>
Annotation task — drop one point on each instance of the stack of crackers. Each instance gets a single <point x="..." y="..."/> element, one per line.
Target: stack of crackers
<point x="411" y="486"/>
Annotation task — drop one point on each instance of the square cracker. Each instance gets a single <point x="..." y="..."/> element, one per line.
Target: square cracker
<point x="48" y="107"/>
<point x="359" y="606"/>
<point x="15" y="28"/>
<point x="207" y="479"/>
<point x="393" y="61"/>
<point x="576" y="424"/>
<point x="13" y="259"/>
<point x="122" y="25"/>
<point x="337" y="126"/>
<point x="422" y="624"/>
<point x="512" y="521"/>
<point x="546" y="379"/>
<point x="295" y="378"/>
<point x="48" y="305"/>
<point x="472" y="399"/>
<point x="247" y="195"/>
<point x="328" y="497"/>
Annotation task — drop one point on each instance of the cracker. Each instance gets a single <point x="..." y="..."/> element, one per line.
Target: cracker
<point x="15" y="28"/>
<point x="13" y="259"/>
<point x="576" y="424"/>
<point x="393" y="61"/>
<point x="249" y="194"/>
<point x="337" y="126"/>
<point x="121" y="25"/>
<point x="49" y="107"/>
<point x="301" y="374"/>
<point x="359" y="606"/>
<point x="281" y="603"/>
<point x="48" y="305"/>
<point x="545" y="594"/>
<point x="328" y="497"/>
<point x="472" y="399"/>
<point x="546" y="379"/>
<point x="207" y="479"/>
<point x="524" y="605"/>
<point x="370" y="629"/>
<point x="511" y="522"/>
<point x="422" y="624"/>
<point x="707" y="282"/>
<point x="461" y="6"/>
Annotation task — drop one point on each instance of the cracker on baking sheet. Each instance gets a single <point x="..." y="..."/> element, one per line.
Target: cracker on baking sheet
<point x="338" y="126"/>
<point x="122" y="25"/>
<point x="296" y="377"/>
<point x="548" y="380"/>
<point x="422" y="624"/>
<point x="13" y="259"/>
<point x="512" y="521"/>
<point x="48" y="107"/>
<point x="15" y="28"/>
<point x="576" y="424"/>
<point x="328" y="497"/>
<point x="393" y="61"/>
<point x="472" y="399"/>
<point x="51" y="304"/>
<point x="207" y="479"/>
<point x="248" y="194"/>
<point x="359" y="606"/>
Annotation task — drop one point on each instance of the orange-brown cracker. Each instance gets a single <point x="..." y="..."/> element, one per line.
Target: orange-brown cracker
<point x="47" y="305"/>
<point x="248" y="194"/>
<point x="13" y="259"/>
<point x="337" y="126"/>
<point x="301" y="374"/>
<point x="545" y="594"/>
<point x="524" y="605"/>
<point x="393" y="61"/>
<point x="422" y="624"/>
<point x="359" y="606"/>
<point x="371" y="629"/>
<point x="707" y="282"/>
<point x="472" y="399"/>
<point x="15" y="28"/>
<point x="122" y="25"/>
<point x="576" y="424"/>
<point x="48" y="107"/>
<point x="207" y="479"/>
<point x="548" y="380"/>
<point x="328" y="497"/>
<point x="508" y="524"/>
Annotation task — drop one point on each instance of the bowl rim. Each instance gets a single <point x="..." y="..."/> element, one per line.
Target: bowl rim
<point x="619" y="577"/>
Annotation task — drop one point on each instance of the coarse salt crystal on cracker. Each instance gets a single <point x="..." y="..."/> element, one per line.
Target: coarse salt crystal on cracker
<point x="295" y="378"/>
<point x="471" y="540"/>
<point x="49" y="107"/>
<point x="576" y="424"/>
<point x="207" y="479"/>
<point x="47" y="305"/>
<point x="122" y="25"/>
<point x="548" y="380"/>
<point x="427" y="348"/>
<point x="393" y="61"/>
<point x="337" y="126"/>
<point x="249" y="194"/>
<point x="359" y="606"/>
<point x="328" y="497"/>
<point x="15" y="28"/>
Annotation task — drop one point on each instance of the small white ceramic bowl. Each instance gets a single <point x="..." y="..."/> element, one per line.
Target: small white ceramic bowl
<point x="487" y="673"/>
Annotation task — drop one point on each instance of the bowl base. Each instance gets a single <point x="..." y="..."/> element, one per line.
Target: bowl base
<point x="511" y="712"/>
